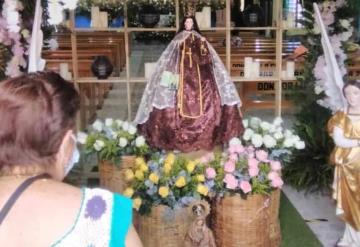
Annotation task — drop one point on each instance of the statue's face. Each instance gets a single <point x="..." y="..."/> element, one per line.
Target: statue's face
<point x="198" y="210"/>
<point x="189" y="23"/>
<point x="352" y="95"/>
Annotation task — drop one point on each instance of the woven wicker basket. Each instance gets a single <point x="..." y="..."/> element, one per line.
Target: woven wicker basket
<point x="237" y="222"/>
<point x="163" y="227"/>
<point x="112" y="177"/>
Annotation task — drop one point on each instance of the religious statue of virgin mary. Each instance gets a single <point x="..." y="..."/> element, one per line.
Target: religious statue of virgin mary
<point x="190" y="102"/>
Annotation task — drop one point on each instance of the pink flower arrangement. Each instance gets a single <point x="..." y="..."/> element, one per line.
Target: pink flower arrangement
<point x="243" y="169"/>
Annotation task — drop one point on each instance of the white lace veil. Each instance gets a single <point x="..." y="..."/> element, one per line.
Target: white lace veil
<point x="162" y="97"/>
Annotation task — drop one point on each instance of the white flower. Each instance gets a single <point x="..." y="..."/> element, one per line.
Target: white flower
<point x="139" y="141"/>
<point x="300" y="145"/>
<point x="272" y="128"/>
<point x="119" y="122"/>
<point x="288" y="133"/>
<point x="69" y="4"/>
<point x="277" y="121"/>
<point x="257" y="140"/>
<point x="318" y="89"/>
<point x="98" y="125"/>
<point x="234" y="141"/>
<point x="265" y="125"/>
<point x="123" y="142"/>
<point x="125" y="126"/>
<point x="344" y="23"/>
<point x="269" y="141"/>
<point x="278" y="135"/>
<point x="255" y="122"/>
<point x="81" y="137"/>
<point x="132" y="129"/>
<point x="53" y="44"/>
<point x="248" y="134"/>
<point x="98" y="145"/>
<point x="245" y="122"/>
<point x="109" y="122"/>
<point x="288" y="143"/>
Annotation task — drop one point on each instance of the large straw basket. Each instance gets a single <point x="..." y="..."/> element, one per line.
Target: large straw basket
<point x="112" y="177"/>
<point x="254" y="222"/>
<point x="164" y="227"/>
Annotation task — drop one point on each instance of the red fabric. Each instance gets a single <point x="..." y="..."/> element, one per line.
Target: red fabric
<point x="167" y="129"/>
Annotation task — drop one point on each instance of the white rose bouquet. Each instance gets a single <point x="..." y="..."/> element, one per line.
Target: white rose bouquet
<point x="270" y="136"/>
<point x="112" y="139"/>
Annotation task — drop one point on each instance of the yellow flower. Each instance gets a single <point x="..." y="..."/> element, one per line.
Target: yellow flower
<point x="170" y="158"/>
<point x="202" y="189"/>
<point x="129" y="175"/>
<point x="128" y="192"/>
<point x="137" y="203"/>
<point x="180" y="182"/>
<point x="139" y="161"/>
<point x="144" y="167"/>
<point x="190" y="166"/>
<point x="139" y="174"/>
<point x="154" y="178"/>
<point x="200" y="178"/>
<point x="167" y="167"/>
<point x="163" y="191"/>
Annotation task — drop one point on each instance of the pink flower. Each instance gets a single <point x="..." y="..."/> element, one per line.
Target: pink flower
<point x="229" y="166"/>
<point x="237" y="148"/>
<point x="245" y="186"/>
<point x="277" y="182"/>
<point x="253" y="171"/>
<point x="252" y="162"/>
<point x="233" y="157"/>
<point x="273" y="175"/>
<point x="231" y="182"/>
<point x="210" y="173"/>
<point x="262" y="155"/>
<point x="275" y="165"/>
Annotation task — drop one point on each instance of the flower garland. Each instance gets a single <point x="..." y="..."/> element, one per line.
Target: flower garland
<point x="340" y="31"/>
<point x="56" y="10"/>
<point x="11" y="35"/>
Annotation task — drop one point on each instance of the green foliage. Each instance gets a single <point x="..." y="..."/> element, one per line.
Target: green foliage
<point x="309" y="169"/>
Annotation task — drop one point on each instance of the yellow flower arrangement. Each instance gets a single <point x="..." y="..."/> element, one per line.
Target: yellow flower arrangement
<point x="163" y="191"/>
<point x="140" y="161"/>
<point x="200" y="178"/>
<point x="139" y="174"/>
<point x="128" y="192"/>
<point x="167" y="167"/>
<point x="180" y="182"/>
<point x="154" y="178"/>
<point x="202" y="189"/>
<point x="190" y="166"/>
<point x="137" y="203"/>
<point x="129" y="175"/>
<point x="170" y="158"/>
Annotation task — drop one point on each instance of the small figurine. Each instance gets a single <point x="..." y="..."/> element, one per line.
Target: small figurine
<point x="199" y="234"/>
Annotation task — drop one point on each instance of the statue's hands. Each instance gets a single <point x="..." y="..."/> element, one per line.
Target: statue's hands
<point x="202" y="39"/>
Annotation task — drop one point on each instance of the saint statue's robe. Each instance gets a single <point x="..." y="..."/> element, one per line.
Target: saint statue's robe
<point x="198" y="120"/>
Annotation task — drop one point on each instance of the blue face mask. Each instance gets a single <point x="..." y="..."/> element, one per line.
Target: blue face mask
<point x="74" y="158"/>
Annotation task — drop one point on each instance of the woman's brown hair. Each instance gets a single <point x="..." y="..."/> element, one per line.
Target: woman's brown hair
<point x="36" y="111"/>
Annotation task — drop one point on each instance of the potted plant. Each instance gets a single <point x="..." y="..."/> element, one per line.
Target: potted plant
<point x="115" y="142"/>
<point x="244" y="182"/>
<point x="161" y="189"/>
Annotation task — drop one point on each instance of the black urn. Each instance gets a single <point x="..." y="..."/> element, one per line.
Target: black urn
<point x="149" y="16"/>
<point x="102" y="67"/>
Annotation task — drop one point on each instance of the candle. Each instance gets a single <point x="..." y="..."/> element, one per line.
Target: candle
<point x="206" y="13"/>
<point x="290" y="69"/>
<point x="247" y="67"/>
<point x="95" y="16"/>
<point x="255" y="69"/>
